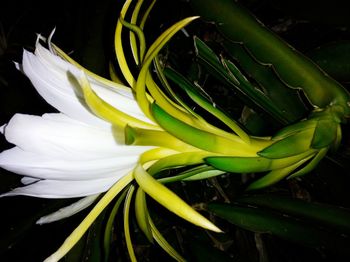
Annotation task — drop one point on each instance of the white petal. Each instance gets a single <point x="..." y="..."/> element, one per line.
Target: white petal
<point x="45" y="167"/>
<point x="68" y="210"/>
<point x="2" y="128"/>
<point x="57" y="135"/>
<point x="63" y="189"/>
<point x="28" y="180"/>
<point x="55" y="88"/>
<point x="124" y="103"/>
<point x="121" y="99"/>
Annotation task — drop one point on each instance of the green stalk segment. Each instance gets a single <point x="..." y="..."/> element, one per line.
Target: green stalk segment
<point x="292" y="67"/>
<point x="226" y="72"/>
<point x="291" y="107"/>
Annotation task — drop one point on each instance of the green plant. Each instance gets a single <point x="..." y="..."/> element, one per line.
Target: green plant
<point x="172" y="142"/>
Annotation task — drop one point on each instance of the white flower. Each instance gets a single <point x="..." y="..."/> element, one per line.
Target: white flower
<point x="72" y="153"/>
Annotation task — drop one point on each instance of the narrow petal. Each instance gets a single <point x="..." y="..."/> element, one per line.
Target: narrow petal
<point x="53" y="67"/>
<point x="45" y="167"/>
<point x="29" y="180"/>
<point x="57" y="90"/>
<point x="56" y="135"/>
<point x="64" y="189"/>
<point x="68" y="211"/>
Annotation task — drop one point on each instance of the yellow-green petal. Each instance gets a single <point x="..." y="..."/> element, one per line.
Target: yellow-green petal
<point x="141" y="213"/>
<point x="169" y="200"/>
<point x="106" y="111"/>
<point x="79" y="231"/>
<point x="128" y="241"/>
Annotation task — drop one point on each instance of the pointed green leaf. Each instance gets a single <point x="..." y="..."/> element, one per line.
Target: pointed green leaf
<point x="328" y="215"/>
<point x="288" y="101"/>
<point x="163" y="243"/>
<point x="228" y="73"/>
<point x="238" y="25"/>
<point x="212" y="62"/>
<point x="261" y="221"/>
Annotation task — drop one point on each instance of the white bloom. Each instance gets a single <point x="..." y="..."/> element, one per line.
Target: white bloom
<point x="72" y="153"/>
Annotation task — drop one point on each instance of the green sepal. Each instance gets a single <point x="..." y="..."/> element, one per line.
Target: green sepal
<point x="141" y="213"/>
<point x="109" y="225"/>
<point x="205" y="175"/>
<point x="196" y="173"/>
<point x="196" y="137"/>
<point x="276" y="175"/>
<point x="251" y="164"/>
<point x="325" y="133"/>
<point x="311" y="165"/>
<point x="185" y="84"/>
<point x="126" y="215"/>
<point x="293" y="129"/>
<point x="170" y="200"/>
<point x="290" y="146"/>
<point x="204" y="101"/>
<point x="177" y="160"/>
<point x="161" y="73"/>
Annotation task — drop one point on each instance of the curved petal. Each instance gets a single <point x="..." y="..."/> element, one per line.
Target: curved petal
<point x="56" y="135"/>
<point x="29" y="180"/>
<point x="64" y="189"/>
<point x="57" y="91"/>
<point x="52" y="76"/>
<point x="68" y="211"/>
<point x="45" y="167"/>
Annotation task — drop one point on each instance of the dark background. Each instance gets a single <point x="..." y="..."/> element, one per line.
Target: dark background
<point x="85" y="30"/>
